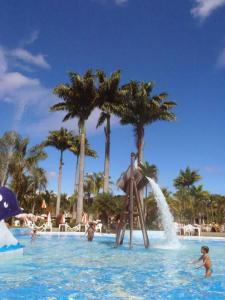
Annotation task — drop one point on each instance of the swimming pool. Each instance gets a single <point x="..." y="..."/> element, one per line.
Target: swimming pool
<point x="69" y="267"/>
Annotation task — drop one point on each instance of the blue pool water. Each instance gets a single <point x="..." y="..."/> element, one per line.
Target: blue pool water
<point x="69" y="267"/>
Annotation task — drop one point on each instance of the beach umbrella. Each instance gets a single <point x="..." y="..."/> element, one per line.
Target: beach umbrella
<point x="32" y="217"/>
<point x="40" y="217"/>
<point x="84" y="219"/>
<point x="63" y="220"/>
<point x="22" y="216"/>
<point x="49" y="220"/>
<point x="43" y="204"/>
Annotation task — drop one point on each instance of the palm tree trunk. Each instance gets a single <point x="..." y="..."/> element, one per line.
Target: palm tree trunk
<point x="5" y="179"/>
<point x="81" y="173"/>
<point x="76" y="186"/>
<point x="59" y="184"/>
<point x="107" y="155"/>
<point x="76" y="175"/>
<point x="140" y="142"/>
<point x="33" y="208"/>
<point x="140" y="147"/>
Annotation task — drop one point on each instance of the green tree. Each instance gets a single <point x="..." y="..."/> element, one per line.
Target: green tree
<point x="94" y="182"/>
<point x="200" y="199"/>
<point x="37" y="183"/>
<point x="23" y="165"/>
<point x="59" y="139"/>
<point x="140" y="109"/>
<point x="106" y="207"/>
<point x="78" y="100"/>
<point x="7" y="148"/>
<point x="149" y="170"/>
<point x="186" y="179"/>
<point x="110" y="96"/>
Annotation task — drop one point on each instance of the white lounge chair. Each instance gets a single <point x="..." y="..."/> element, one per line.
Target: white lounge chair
<point x="98" y="227"/>
<point x="75" y="228"/>
<point x="190" y="229"/>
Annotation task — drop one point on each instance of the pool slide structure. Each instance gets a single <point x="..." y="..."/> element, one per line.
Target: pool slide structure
<point x="8" y="208"/>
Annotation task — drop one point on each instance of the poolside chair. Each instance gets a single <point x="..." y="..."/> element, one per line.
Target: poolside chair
<point x="98" y="227"/>
<point x="197" y="228"/>
<point x="188" y="229"/>
<point x="44" y="227"/>
<point x="75" y="228"/>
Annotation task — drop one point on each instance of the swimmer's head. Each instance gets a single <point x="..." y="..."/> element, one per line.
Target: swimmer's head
<point x="204" y="250"/>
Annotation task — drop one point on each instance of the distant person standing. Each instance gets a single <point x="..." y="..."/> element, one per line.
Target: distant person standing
<point x="33" y="234"/>
<point x="90" y="231"/>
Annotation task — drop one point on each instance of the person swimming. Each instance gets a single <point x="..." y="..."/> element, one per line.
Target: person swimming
<point x="206" y="261"/>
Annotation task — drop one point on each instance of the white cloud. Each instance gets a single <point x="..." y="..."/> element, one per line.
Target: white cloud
<point x="25" y="56"/>
<point x="32" y="38"/>
<point x="120" y="2"/>
<point x="53" y="121"/>
<point x="221" y="59"/>
<point x="52" y="174"/>
<point x="204" y="8"/>
<point x="21" y="90"/>
<point x="31" y="96"/>
<point x="3" y="64"/>
<point x="14" y="81"/>
<point x="117" y="2"/>
<point x="213" y="169"/>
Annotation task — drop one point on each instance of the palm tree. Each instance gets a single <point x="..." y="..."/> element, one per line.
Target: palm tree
<point x="149" y="170"/>
<point x="23" y="163"/>
<point x="59" y="139"/>
<point x="94" y="182"/>
<point x="186" y="179"/>
<point x="140" y="109"/>
<point x="200" y="198"/>
<point x="109" y="94"/>
<point x="75" y="149"/>
<point x="7" y="148"/>
<point x="37" y="183"/>
<point x="79" y="100"/>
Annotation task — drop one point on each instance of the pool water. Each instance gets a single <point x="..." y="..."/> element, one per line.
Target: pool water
<point x="69" y="267"/>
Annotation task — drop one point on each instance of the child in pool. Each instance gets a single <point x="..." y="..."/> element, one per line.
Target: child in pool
<point x="206" y="261"/>
<point x="33" y="234"/>
<point x="90" y="231"/>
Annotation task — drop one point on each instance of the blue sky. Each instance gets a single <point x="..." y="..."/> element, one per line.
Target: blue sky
<point x="178" y="44"/>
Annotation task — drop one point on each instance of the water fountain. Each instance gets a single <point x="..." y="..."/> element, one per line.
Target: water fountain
<point x="8" y="208"/>
<point x="131" y="182"/>
<point x="164" y="214"/>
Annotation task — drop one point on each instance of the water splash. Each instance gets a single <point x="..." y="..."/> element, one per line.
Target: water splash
<point x="164" y="214"/>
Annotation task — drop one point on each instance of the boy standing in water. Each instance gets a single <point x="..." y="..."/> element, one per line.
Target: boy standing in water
<point x="33" y="234"/>
<point x="90" y="231"/>
<point x="206" y="261"/>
